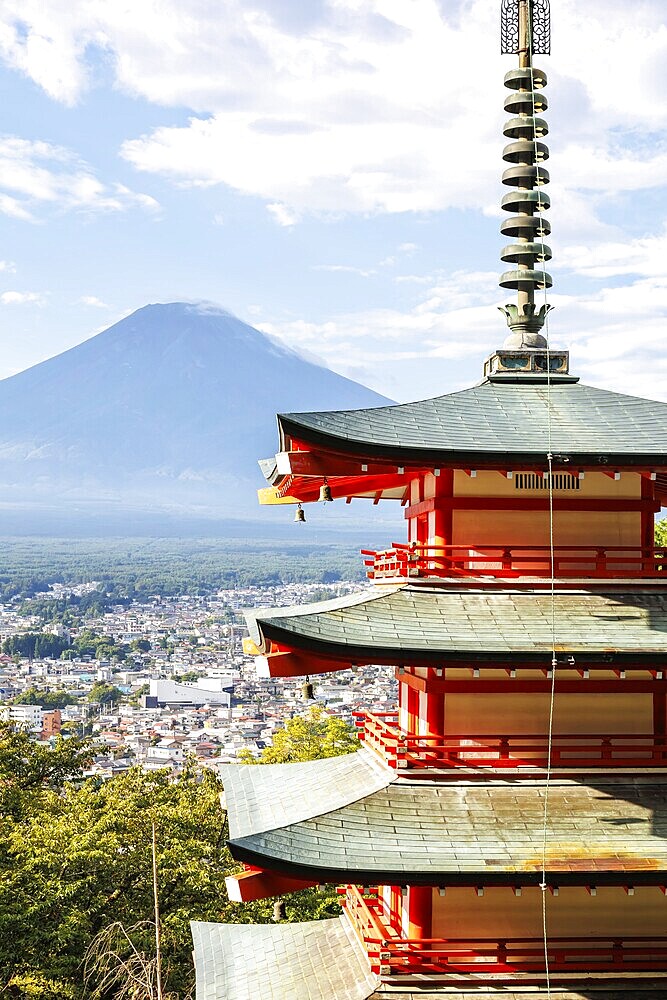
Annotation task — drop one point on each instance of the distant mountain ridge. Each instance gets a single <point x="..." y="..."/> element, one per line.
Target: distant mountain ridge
<point x="170" y="407"/>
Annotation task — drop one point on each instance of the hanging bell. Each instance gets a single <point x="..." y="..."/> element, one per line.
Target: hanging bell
<point x="325" y="493"/>
<point x="307" y="690"/>
<point x="299" y="514"/>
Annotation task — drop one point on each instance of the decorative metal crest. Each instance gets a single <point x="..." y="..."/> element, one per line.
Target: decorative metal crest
<point x="541" y="27"/>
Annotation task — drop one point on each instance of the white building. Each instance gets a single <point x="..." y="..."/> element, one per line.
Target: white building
<point x="206" y="691"/>
<point x="29" y="716"/>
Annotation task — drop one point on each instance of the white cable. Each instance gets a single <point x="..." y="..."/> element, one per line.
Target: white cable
<point x="552" y="557"/>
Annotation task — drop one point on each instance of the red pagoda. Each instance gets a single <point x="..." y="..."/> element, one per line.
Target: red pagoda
<point x="503" y="833"/>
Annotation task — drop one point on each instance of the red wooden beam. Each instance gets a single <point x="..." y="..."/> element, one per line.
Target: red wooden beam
<point x="256" y="883"/>
<point x="294" y="664"/>
<point x="480" y="686"/>
<point x="597" y="504"/>
<point x="318" y="464"/>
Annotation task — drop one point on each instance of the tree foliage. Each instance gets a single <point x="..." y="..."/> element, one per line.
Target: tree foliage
<point x="76" y="861"/>
<point x="661" y="533"/>
<point x="307" y="737"/>
<point x="35" y="645"/>
<point x="29" y="770"/>
<point x="47" y="699"/>
<point x="103" y="694"/>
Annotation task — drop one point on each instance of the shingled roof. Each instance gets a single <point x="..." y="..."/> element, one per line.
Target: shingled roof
<point x="483" y="833"/>
<point x="429" y="623"/>
<point x="314" y="787"/>
<point x="324" y="960"/>
<point x="314" y="960"/>
<point x="588" y="426"/>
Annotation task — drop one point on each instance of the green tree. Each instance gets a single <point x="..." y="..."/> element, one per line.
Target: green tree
<point x="307" y="737"/>
<point x="28" y="770"/>
<point x="661" y="533"/>
<point x="102" y="693"/>
<point x="140" y="645"/>
<point x="80" y="861"/>
<point x="47" y="699"/>
<point x="34" y="645"/>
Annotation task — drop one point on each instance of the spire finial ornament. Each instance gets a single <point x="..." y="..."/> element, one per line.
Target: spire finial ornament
<point x="525" y="30"/>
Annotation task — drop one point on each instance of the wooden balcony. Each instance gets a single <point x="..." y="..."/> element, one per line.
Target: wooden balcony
<point x="392" y="955"/>
<point x="381" y="733"/>
<point x="515" y="562"/>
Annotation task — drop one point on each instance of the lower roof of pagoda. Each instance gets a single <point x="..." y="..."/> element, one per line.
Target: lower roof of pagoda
<point x="317" y="959"/>
<point x="428" y="624"/>
<point x="324" y="960"/>
<point x="347" y="819"/>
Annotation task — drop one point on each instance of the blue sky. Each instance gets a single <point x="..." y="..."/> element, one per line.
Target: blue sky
<point x="330" y="172"/>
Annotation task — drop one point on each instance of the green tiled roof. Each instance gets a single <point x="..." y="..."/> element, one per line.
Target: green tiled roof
<point x="314" y="960"/>
<point x="434" y="622"/>
<point x="324" y="960"/>
<point x="306" y="789"/>
<point x="493" y="419"/>
<point x="478" y="834"/>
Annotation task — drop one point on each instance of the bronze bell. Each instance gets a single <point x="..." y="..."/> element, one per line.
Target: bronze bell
<point x="307" y="690"/>
<point x="300" y="514"/>
<point x="325" y="492"/>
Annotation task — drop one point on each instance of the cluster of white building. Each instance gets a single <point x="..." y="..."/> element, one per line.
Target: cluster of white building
<point x="193" y="694"/>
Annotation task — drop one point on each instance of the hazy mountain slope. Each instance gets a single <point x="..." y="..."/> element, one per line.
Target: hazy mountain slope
<point x="173" y="405"/>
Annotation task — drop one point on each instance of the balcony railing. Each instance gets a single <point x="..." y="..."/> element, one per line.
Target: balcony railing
<point x="390" y="954"/>
<point x="381" y="732"/>
<point x="515" y="561"/>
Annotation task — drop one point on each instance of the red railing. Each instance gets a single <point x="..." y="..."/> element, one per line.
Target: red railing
<point x="381" y="732"/>
<point x="515" y="561"/>
<point x="390" y="954"/>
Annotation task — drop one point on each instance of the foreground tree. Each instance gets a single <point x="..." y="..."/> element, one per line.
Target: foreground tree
<point x="78" y="867"/>
<point x="661" y="533"/>
<point x="307" y="737"/>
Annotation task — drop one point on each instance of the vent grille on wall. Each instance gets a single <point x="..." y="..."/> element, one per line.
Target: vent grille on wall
<point x="536" y="481"/>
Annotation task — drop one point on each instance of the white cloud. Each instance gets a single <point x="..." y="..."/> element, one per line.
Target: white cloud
<point x="344" y="269"/>
<point x="8" y="266"/>
<point x="645" y="256"/>
<point x="440" y="341"/>
<point x="92" y="300"/>
<point x="21" y="298"/>
<point x="282" y="214"/>
<point x="36" y="176"/>
<point x="342" y="106"/>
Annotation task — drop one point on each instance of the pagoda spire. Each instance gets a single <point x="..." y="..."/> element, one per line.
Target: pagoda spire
<point x="525" y="31"/>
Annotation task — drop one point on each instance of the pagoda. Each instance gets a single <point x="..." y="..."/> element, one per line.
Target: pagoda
<point x="503" y="832"/>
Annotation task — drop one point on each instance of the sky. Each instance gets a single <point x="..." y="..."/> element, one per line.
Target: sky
<point x="329" y="171"/>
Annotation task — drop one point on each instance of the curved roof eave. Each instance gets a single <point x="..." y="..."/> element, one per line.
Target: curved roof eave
<point x="412" y="833"/>
<point x="427" y="624"/>
<point x="589" y="426"/>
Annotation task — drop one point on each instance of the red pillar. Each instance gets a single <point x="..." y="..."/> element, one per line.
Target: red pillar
<point x="420" y="911"/>
<point x="413" y="710"/>
<point x="647" y="518"/>
<point x="441" y="533"/>
<point x="434" y="715"/>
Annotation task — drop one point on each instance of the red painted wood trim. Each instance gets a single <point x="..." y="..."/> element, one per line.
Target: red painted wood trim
<point x="597" y="504"/>
<point x="290" y="664"/>
<point x="413" y="710"/>
<point x="435" y="712"/>
<point x="420" y="911"/>
<point x="509" y="687"/>
<point x="659" y="714"/>
<point x="256" y="883"/>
